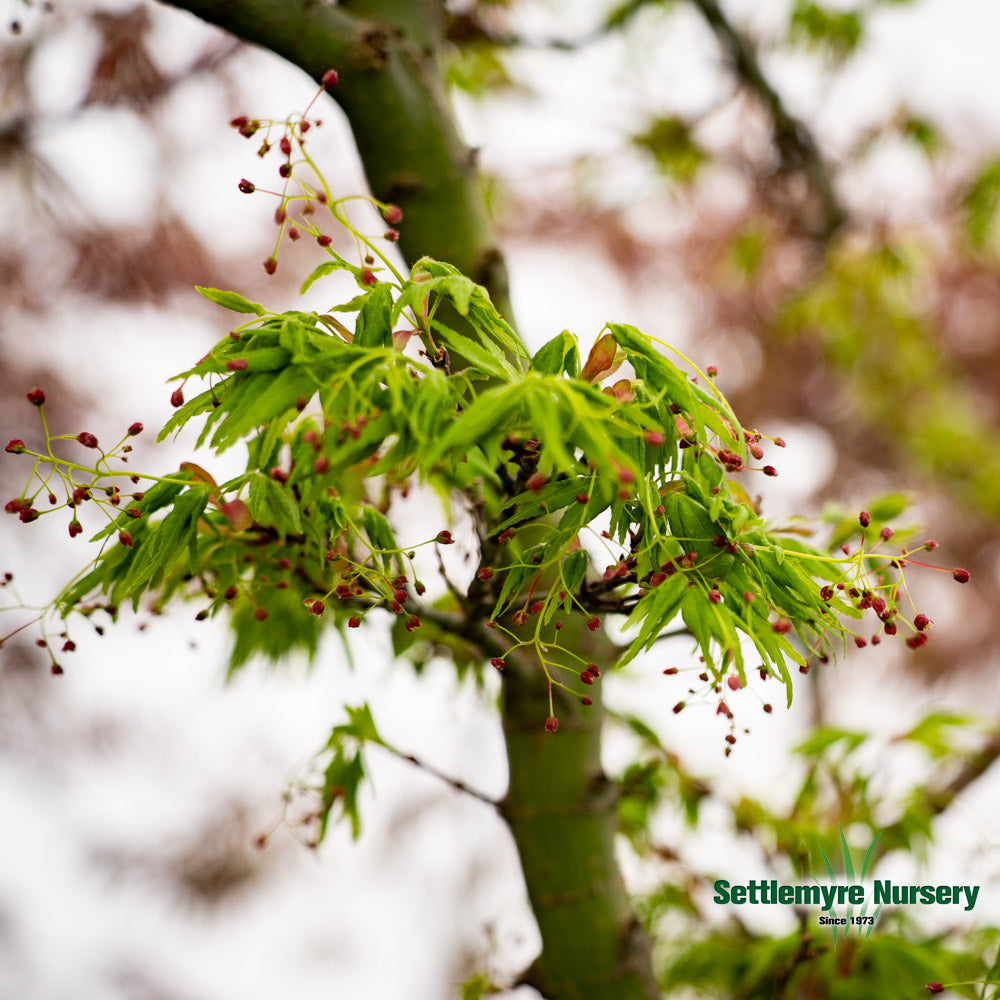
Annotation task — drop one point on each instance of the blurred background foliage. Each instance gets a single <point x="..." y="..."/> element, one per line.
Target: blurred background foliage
<point x="870" y="319"/>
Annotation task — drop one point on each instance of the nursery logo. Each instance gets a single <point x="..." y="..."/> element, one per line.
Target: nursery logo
<point x="848" y="904"/>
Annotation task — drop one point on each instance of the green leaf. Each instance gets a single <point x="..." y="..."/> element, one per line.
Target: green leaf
<point x="561" y="354"/>
<point x="231" y="300"/>
<point x="271" y="504"/>
<point x="656" y="610"/>
<point x="374" y="324"/>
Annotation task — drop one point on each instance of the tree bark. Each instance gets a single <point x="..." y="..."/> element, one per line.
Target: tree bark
<point x="560" y="806"/>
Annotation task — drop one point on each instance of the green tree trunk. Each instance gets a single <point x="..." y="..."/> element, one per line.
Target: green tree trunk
<point x="560" y="806"/>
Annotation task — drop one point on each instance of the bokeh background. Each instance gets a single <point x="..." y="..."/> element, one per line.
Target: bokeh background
<point x="632" y="180"/>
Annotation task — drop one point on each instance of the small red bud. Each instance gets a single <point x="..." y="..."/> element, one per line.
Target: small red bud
<point x="177" y="397"/>
<point x="860" y="642"/>
<point x="354" y="622"/>
<point x="934" y="988"/>
<point x="593" y="623"/>
<point x="757" y="451"/>
<point x="520" y="617"/>
<point x="323" y="240"/>
<point x="734" y="682"/>
<point x="678" y="708"/>
<point x="330" y="79"/>
<point x="247" y="187"/>
<point x="711" y="371"/>
<point x="551" y="724"/>
<point x="134" y="429"/>
<point x="237" y="364"/>
<point x="239" y="121"/>
<point x="368" y="277"/>
<point x="134" y="512"/>
<point x="36" y="397"/>
<point x="486" y="573"/>
<point x="962" y="575"/>
<point x="586" y="701"/>
<point x="75" y="528"/>
<point x="782" y="626"/>
<point x="260" y="614"/>
<point x="391" y="235"/>
<point x="536" y="482"/>
<point x="285" y="170"/>
<point x="317" y="608"/>
<point x="271" y="265"/>
<point x="27" y="515"/>
<point x="392" y="214"/>
<point x="918" y="640"/>
<point x="583" y="498"/>
<point x="769" y="470"/>
<point x="15" y="447"/>
<point x="780" y="443"/>
<point x="655" y="438"/>
<point x="498" y="663"/>
<point x="922" y="622"/>
<point x="715" y="597"/>
<point x="930" y="545"/>
<point x="444" y="538"/>
<point x="586" y="677"/>
<point x="321" y="465"/>
<point x="886" y="533"/>
<point x="285" y="145"/>
<point x="279" y="475"/>
<point x="125" y="538"/>
<point x="294" y="234"/>
<point x="865" y="518"/>
<point x="87" y="440"/>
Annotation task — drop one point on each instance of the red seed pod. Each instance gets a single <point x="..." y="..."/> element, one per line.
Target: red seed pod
<point x="444" y="538"/>
<point x="177" y="398"/>
<point x="247" y="187"/>
<point x="36" y="397"/>
<point x="593" y="623"/>
<point x="769" y="470"/>
<point x="392" y="214"/>
<point x="486" y="573"/>
<point x="498" y="663"/>
<point x="354" y="622"/>
<point x="864" y="518"/>
<point x="551" y="724"/>
<point x="961" y="575"/>
<point x="330" y="79"/>
<point x="260" y="614"/>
